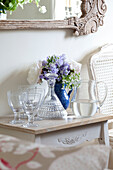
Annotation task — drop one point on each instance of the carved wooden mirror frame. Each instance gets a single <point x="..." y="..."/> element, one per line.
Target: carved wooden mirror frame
<point x="92" y="17"/>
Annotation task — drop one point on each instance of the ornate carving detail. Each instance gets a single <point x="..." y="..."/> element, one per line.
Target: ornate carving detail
<point x="70" y="141"/>
<point x="92" y="17"/>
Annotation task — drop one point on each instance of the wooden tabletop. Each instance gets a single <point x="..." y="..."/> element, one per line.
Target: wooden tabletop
<point x="46" y="126"/>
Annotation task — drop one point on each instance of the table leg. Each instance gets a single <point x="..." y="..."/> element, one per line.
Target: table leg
<point x="104" y="136"/>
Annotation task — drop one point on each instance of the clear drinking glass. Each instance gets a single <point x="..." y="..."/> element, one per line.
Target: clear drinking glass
<point x="33" y="89"/>
<point x="15" y="105"/>
<point x="51" y="108"/>
<point x="88" y="97"/>
<point x="31" y="103"/>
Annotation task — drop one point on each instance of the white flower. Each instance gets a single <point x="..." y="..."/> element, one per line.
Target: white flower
<point x="42" y="9"/>
<point x="46" y="152"/>
<point x="75" y="65"/>
<point x="22" y="148"/>
<point x="7" y="147"/>
<point x="34" y="72"/>
<point x="7" y="138"/>
<point x="33" y="165"/>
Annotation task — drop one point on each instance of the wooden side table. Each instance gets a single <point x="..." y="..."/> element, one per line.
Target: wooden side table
<point x="69" y="132"/>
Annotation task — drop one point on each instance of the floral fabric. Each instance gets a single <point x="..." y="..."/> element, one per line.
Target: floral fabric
<point x="19" y="155"/>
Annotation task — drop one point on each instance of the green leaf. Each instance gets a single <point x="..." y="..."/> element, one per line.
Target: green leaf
<point x="37" y="2"/>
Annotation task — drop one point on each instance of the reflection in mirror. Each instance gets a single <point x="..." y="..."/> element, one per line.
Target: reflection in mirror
<point x="73" y="8"/>
<point x="30" y="11"/>
<point x="81" y="16"/>
<point x="56" y="9"/>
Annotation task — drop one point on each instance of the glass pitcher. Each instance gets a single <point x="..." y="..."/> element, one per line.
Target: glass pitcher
<point x="88" y="97"/>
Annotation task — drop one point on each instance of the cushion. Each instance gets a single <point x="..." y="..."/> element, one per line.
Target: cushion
<point x="18" y="154"/>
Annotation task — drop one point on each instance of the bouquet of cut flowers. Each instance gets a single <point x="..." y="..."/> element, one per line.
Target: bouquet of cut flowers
<point x="68" y="72"/>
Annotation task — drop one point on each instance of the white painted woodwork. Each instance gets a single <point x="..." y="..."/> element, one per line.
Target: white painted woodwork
<point x="70" y="132"/>
<point x="17" y="134"/>
<point x="104" y="139"/>
<point x="71" y="137"/>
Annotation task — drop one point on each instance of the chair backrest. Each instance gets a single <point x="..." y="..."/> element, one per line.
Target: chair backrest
<point x="101" y="69"/>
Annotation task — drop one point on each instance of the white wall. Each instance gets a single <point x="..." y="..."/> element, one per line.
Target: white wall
<point x="18" y="49"/>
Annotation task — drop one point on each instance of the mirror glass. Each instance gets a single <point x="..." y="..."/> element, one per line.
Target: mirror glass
<point x="56" y="9"/>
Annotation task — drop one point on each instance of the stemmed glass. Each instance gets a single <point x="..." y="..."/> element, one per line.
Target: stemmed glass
<point x="31" y="103"/>
<point x="34" y="89"/>
<point x="15" y="105"/>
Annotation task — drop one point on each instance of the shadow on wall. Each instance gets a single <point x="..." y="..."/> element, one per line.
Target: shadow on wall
<point x="69" y="33"/>
<point x="19" y="77"/>
<point x="15" y="79"/>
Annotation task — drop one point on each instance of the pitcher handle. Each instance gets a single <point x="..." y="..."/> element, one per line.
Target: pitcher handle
<point x="106" y="90"/>
<point x="70" y="91"/>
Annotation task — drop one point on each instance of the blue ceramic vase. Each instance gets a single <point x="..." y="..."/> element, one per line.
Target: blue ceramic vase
<point x="62" y="94"/>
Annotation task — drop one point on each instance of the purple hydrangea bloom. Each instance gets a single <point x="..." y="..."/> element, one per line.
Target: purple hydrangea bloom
<point x="41" y="76"/>
<point x="44" y="63"/>
<point x="66" y="64"/>
<point x="52" y="66"/>
<point x="48" y="57"/>
<point x="58" y="65"/>
<point x="46" y="78"/>
<point x="59" y="78"/>
<point x="63" y="56"/>
<point x="54" y="71"/>
<point x="45" y="72"/>
<point x="59" y="62"/>
<point x="65" y="72"/>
